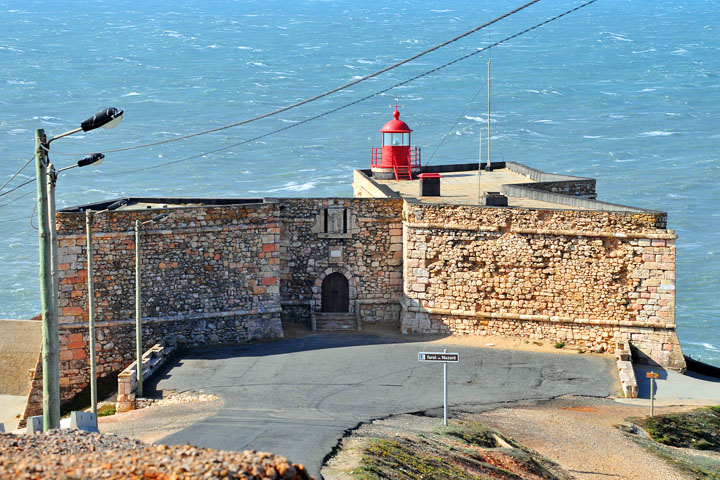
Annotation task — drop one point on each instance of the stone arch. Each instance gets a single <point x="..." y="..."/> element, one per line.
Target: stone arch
<point x="351" y="288"/>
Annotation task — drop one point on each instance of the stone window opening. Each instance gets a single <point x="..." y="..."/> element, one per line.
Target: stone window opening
<point x="335" y="221"/>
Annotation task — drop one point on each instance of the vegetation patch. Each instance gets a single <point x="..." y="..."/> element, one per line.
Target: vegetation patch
<point x="106" y="410"/>
<point x="473" y="433"/>
<point x="699" y="429"/>
<point x="463" y="451"/>
<point x="684" y="440"/>
<point x="399" y="460"/>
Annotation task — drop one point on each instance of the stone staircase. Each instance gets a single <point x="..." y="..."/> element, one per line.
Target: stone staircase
<point x="335" y="322"/>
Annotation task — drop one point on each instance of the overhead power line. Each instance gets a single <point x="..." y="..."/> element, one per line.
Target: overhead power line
<point x="319" y="96"/>
<point x="10" y="202"/>
<point x="16" y="173"/>
<point x="15" y="188"/>
<point x="379" y="92"/>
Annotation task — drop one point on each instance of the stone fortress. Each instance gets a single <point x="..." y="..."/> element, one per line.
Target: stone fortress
<point x="464" y="250"/>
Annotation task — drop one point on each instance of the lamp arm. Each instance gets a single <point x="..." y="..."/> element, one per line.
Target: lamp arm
<point x="67" y="168"/>
<point x="70" y="132"/>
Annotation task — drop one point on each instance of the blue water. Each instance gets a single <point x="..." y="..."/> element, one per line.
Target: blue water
<point x="627" y="92"/>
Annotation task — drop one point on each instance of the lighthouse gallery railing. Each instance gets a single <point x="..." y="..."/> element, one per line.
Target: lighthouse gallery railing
<point x="376" y="158"/>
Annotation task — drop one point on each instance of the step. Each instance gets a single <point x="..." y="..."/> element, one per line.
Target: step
<point x="335" y="321"/>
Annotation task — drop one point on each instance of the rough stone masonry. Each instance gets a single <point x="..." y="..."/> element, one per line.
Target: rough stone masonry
<point x="223" y="271"/>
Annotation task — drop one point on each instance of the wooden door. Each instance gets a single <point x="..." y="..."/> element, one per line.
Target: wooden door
<point x="335" y="293"/>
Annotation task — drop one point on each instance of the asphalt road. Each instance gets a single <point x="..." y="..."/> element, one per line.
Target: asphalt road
<point x="297" y="397"/>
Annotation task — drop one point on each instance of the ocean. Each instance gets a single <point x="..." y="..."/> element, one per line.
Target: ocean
<point x="627" y="92"/>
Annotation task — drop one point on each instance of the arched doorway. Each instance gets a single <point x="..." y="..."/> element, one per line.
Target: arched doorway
<point x="335" y="293"/>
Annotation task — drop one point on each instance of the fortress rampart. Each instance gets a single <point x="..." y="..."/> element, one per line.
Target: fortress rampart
<point x="218" y="274"/>
<point x="224" y="271"/>
<point x="581" y="277"/>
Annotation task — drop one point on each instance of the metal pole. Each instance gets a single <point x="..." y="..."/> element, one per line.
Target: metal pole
<point x="445" y="393"/>
<point x="91" y="311"/>
<point x="50" y="355"/>
<point x="138" y="312"/>
<point x="51" y="181"/>
<point x="479" y="167"/>
<point x="652" y="396"/>
<point x="488" y="167"/>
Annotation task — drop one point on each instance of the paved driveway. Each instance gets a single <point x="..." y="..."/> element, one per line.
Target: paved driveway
<point x="297" y="397"/>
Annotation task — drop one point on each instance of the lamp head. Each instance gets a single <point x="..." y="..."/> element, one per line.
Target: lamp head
<point x="94" y="159"/>
<point x="107" y="118"/>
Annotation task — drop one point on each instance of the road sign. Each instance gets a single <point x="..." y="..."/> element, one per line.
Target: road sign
<point x="441" y="357"/>
<point x="652" y="376"/>
<point x="438" y="357"/>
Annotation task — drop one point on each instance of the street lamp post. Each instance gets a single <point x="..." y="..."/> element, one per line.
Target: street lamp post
<point x="138" y="302"/>
<point x="91" y="299"/>
<point x="46" y="177"/>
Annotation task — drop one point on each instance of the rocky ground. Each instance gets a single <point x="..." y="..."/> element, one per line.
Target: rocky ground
<point x="77" y="454"/>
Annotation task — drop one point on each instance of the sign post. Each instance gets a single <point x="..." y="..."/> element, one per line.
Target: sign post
<point x="652" y="376"/>
<point x="443" y="357"/>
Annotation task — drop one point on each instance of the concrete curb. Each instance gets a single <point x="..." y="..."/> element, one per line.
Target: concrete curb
<point x="626" y="372"/>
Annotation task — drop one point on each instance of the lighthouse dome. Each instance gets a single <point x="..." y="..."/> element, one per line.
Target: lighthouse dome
<point x="396" y="125"/>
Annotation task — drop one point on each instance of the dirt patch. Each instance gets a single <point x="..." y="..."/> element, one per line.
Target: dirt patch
<point x="409" y="447"/>
<point x="158" y="421"/>
<point x="580" y="434"/>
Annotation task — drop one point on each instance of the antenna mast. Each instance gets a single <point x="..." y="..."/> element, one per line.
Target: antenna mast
<point x="488" y="167"/>
<point x="479" y="167"/>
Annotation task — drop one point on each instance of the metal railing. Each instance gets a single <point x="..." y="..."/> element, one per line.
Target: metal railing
<point x="376" y="157"/>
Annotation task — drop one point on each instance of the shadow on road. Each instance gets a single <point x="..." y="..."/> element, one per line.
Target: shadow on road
<point x="305" y="341"/>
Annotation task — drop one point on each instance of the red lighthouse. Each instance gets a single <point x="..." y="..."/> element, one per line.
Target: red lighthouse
<point x="395" y="160"/>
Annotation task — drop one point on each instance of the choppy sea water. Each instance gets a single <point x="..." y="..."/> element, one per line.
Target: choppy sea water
<point x="627" y="92"/>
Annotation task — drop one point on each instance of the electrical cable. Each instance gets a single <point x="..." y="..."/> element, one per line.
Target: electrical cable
<point x="321" y="95"/>
<point x="13" y="219"/>
<point x="379" y="92"/>
<point x="16" y="199"/>
<point x="2" y="194"/>
<point x="17" y="173"/>
<point x="32" y="215"/>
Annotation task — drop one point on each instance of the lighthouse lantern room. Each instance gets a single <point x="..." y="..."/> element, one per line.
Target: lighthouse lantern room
<point x="396" y="159"/>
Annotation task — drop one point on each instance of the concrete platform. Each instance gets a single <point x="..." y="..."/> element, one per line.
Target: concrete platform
<point x="10" y="407"/>
<point x="673" y="388"/>
<point x="20" y="348"/>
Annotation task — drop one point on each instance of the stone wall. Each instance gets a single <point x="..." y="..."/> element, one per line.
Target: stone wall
<point x="220" y="274"/>
<point x="367" y="250"/>
<point x="582" y="277"/>
<point x="228" y="271"/>
<point x="210" y="275"/>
